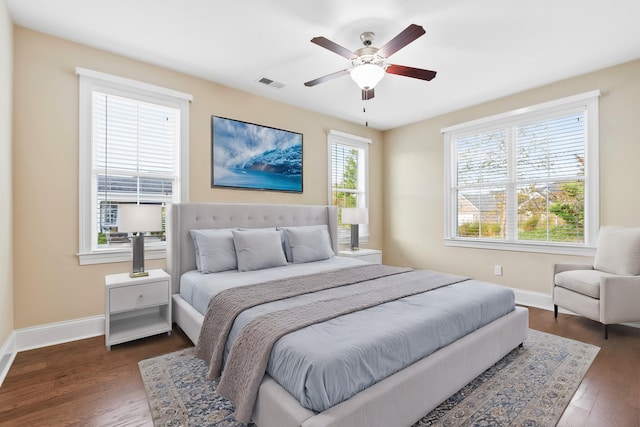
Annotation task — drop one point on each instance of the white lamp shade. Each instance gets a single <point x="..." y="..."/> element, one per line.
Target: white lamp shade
<point x="355" y="216"/>
<point x="134" y="218"/>
<point x="367" y="75"/>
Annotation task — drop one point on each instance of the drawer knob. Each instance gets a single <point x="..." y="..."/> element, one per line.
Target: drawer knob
<point x="140" y="296"/>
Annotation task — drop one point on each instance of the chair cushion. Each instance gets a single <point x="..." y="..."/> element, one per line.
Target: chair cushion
<point x="618" y="251"/>
<point x="585" y="282"/>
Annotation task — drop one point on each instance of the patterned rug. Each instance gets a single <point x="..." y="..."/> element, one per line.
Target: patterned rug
<point x="531" y="386"/>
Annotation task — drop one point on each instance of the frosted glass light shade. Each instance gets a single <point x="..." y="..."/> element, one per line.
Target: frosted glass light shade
<point x="134" y="218"/>
<point x="355" y="216"/>
<point x="367" y="75"/>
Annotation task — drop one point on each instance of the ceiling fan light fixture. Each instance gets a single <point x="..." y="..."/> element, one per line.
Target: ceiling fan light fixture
<point x="367" y="75"/>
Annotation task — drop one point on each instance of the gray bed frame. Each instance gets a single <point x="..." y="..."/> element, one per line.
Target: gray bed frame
<point x="399" y="400"/>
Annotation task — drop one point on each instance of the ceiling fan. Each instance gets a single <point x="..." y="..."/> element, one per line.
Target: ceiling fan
<point x="368" y="64"/>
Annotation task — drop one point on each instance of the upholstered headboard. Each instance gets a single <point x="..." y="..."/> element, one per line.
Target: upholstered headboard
<point x="183" y="217"/>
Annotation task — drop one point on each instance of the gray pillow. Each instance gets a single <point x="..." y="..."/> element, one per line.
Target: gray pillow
<point x="195" y="248"/>
<point x="287" y="246"/>
<point x="618" y="251"/>
<point x="258" y="249"/>
<point x="309" y="244"/>
<point x="215" y="250"/>
<point x="281" y="232"/>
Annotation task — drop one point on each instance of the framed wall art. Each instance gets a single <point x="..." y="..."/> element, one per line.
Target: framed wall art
<point x="250" y="156"/>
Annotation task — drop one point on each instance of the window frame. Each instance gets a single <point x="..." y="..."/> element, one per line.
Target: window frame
<point x="90" y="81"/>
<point x="588" y="101"/>
<point x="360" y="143"/>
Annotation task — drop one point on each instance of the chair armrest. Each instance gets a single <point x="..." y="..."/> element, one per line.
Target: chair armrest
<point x="567" y="266"/>
<point x="619" y="296"/>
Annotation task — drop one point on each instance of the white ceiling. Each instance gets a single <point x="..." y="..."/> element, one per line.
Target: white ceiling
<point x="481" y="49"/>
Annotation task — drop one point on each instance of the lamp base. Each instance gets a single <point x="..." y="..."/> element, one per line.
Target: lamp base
<point x="139" y="274"/>
<point x="355" y="238"/>
<point x="137" y="245"/>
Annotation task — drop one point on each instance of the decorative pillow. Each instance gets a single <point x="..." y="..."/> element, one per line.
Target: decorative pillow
<point x="281" y="232"/>
<point x="258" y="249"/>
<point x="195" y="248"/>
<point x="618" y="251"/>
<point x="309" y="244"/>
<point x="215" y="250"/>
<point x="287" y="246"/>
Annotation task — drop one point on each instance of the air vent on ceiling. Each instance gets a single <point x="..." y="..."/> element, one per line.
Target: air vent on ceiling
<point x="269" y="82"/>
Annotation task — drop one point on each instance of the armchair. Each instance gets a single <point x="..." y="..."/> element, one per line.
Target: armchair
<point x="609" y="290"/>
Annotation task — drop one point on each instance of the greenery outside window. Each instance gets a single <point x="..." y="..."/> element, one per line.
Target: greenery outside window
<point x="525" y="180"/>
<point x="132" y="150"/>
<point x="348" y="178"/>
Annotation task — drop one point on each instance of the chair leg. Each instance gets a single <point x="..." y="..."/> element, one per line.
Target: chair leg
<point x="555" y="311"/>
<point x="606" y="332"/>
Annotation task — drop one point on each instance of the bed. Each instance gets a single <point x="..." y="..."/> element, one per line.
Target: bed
<point x="399" y="399"/>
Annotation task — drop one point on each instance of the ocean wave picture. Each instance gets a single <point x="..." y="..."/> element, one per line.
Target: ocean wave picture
<point x="250" y="156"/>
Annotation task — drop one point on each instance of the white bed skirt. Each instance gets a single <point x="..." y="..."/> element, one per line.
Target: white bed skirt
<point x="399" y="400"/>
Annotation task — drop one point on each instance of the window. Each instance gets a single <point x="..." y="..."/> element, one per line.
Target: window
<point x="133" y="139"/>
<point x="348" y="177"/>
<point x="525" y="180"/>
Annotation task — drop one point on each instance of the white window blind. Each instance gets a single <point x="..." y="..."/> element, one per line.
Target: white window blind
<point x="133" y="149"/>
<point x="136" y="151"/>
<point x="529" y="178"/>
<point x="348" y="186"/>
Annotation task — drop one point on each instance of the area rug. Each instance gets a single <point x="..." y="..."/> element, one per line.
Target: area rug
<point x="531" y="386"/>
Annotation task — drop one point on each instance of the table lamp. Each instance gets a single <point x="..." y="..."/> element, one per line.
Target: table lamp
<point x="138" y="219"/>
<point x="355" y="217"/>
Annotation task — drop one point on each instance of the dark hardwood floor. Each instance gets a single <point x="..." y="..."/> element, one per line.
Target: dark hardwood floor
<point x="81" y="384"/>
<point x="609" y="395"/>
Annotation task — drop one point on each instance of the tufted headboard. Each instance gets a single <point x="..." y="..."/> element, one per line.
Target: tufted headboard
<point x="183" y="217"/>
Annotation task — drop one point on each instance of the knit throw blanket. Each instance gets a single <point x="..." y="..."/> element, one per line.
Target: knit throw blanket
<point x="249" y="355"/>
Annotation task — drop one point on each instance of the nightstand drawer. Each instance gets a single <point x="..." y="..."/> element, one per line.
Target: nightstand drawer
<point x="374" y="258"/>
<point x="364" y="254"/>
<point x="136" y="296"/>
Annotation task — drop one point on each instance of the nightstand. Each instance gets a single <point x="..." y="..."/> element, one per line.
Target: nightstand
<point x="370" y="255"/>
<point x="136" y="307"/>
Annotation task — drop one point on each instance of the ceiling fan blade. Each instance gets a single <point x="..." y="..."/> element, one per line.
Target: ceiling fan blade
<point x="326" y="78"/>
<point x="416" y="73"/>
<point x="367" y="94"/>
<point x="333" y="47"/>
<point x="408" y="35"/>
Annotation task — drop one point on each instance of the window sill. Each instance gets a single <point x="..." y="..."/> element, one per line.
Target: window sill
<point x="118" y="255"/>
<point x="559" y="249"/>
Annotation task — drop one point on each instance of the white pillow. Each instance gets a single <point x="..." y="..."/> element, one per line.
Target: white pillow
<point x="215" y="250"/>
<point x="618" y="251"/>
<point x="309" y="244"/>
<point x="258" y="249"/>
<point x="287" y="246"/>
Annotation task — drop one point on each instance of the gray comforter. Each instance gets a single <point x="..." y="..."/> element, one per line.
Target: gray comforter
<point x="329" y="362"/>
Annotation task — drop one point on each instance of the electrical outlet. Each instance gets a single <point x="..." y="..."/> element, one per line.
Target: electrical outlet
<point x="497" y="270"/>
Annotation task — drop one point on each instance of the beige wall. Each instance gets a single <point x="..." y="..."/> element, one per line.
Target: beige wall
<point x="414" y="181"/>
<point x="6" y="276"/>
<point x="50" y="285"/>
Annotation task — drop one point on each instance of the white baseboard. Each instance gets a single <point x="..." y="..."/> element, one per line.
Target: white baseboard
<point x="58" y="333"/>
<point x="534" y="299"/>
<point x="7" y="355"/>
